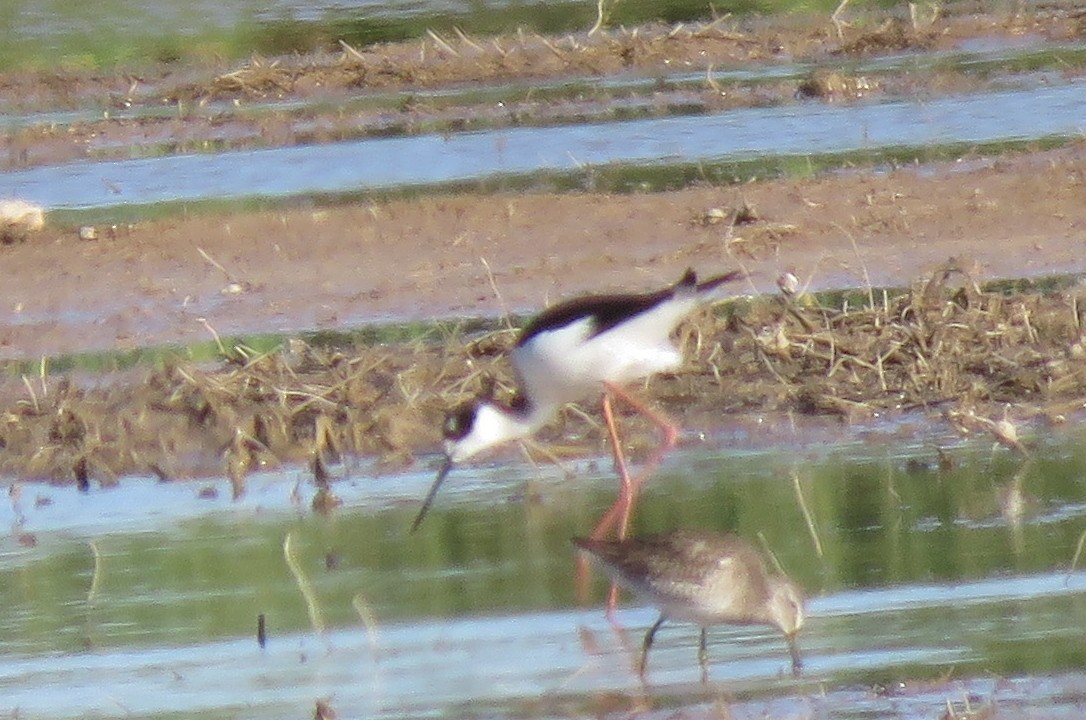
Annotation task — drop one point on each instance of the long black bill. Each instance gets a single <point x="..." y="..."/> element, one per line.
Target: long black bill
<point x="441" y="475"/>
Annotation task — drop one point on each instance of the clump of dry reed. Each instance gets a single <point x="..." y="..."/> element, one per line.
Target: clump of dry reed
<point x="938" y="345"/>
<point x="944" y="345"/>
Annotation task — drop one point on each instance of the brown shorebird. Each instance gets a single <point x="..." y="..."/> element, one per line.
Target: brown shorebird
<point x="702" y="577"/>
<point x="576" y="349"/>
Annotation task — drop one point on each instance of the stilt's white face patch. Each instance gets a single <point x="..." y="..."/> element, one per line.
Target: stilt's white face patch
<point x="480" y="427"/>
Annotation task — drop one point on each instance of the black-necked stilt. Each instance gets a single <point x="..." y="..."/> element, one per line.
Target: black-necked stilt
<point x="703" y="577"/>
<point x="565" y="354"/>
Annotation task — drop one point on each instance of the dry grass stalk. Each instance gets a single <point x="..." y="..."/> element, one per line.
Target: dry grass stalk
<point x="369" y="620"/>
<point x="312" y="608"/>
<point x="807" y="517"/>
<point x="550" y="46"/>
<point x="96" y="576"/>
<point x="1074" y="559"/>
<point x="441" y="43"/>
<point x="350" y="51"/>
<point x="467" y="40"/>
<point x="935" y="346"/>
<point x="258" y="78"/>
<point x="601" y="17"/>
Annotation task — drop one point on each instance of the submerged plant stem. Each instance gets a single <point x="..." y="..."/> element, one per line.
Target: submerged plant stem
<point x="312" y="608"/>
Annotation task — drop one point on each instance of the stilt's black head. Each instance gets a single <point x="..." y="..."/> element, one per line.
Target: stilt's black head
<point x="472" y="428"/>
<point x="458" y="421"/>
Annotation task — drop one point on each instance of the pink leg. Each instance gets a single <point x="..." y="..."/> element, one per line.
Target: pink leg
<point x="622" y="503"/>
<point x="622" y="509"/>
<point x="626" y="485"/>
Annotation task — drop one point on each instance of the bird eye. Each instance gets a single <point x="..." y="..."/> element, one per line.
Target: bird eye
<point x="458" y="422"/>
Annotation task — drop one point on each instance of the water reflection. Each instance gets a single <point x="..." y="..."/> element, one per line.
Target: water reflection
<point x="151" y="607"/>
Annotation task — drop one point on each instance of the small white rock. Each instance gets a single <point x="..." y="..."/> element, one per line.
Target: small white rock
<point x="788" y="283"/>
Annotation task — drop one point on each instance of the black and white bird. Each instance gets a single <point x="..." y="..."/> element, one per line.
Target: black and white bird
<point x="572" y="351"/>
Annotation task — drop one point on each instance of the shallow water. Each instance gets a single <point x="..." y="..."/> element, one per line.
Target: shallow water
<point x="143" y="599"/>
<point x="373" y="164"/>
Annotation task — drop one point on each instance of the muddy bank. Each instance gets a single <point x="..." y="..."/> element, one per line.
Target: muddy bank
<point x="945" y="348"/>
<point x="339" y="69"/>
<point x="457" y="83"/>
<point x="980" y="360"/>
<point x="180" y="279"/>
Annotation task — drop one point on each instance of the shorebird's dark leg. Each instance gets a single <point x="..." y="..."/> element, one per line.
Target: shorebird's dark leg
<point x="703" y="656"/>
<point x="793" y="649"/>
<point x="648" y="644"/>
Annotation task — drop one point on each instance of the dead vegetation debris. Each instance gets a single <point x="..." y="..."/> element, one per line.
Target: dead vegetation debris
<point x="18" y="219"/>
<point x="438" y="59"/>
<point x="944" y="345"/>
<point x="259" y="78"/>
<point x="893" y="35"/>
<point x="453" y="56"/>
<point x="833" y="86"/>
<point x="932" y="347"/>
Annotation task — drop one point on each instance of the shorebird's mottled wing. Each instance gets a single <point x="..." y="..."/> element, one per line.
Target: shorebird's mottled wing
<point x="702" y="577"/>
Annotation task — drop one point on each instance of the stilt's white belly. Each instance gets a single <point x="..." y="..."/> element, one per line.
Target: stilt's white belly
<point x="564" y="365"/>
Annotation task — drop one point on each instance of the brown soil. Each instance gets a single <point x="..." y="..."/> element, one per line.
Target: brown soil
<point x="446" y="256"/>
<point x="182" y="280"/>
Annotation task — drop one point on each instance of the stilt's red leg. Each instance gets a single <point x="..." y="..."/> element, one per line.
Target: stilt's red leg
<point x="668" y="429"/>
<point x="620" y="508"/>
<point x="625" y="488"/>
<point x="621" y="511"/>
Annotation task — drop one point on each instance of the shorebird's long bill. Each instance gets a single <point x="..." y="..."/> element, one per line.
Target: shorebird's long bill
<point x="793" y="648"/>
<point x="441" y="475"/>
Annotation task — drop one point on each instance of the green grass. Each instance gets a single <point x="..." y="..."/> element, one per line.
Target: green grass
<point x="109" y="34"/>
<point x="253" y="344"/>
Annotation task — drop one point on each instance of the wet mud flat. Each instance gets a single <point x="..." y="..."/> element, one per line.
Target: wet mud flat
<point x="454" y="83"/>
<point x="984" y="360"/>
<point x="931" y="601"/>
<point x="948" y="348"/>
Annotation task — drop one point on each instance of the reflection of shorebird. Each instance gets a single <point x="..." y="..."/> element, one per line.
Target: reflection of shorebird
<point x="705" y="578"/>
<point x="564" y="355"/>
